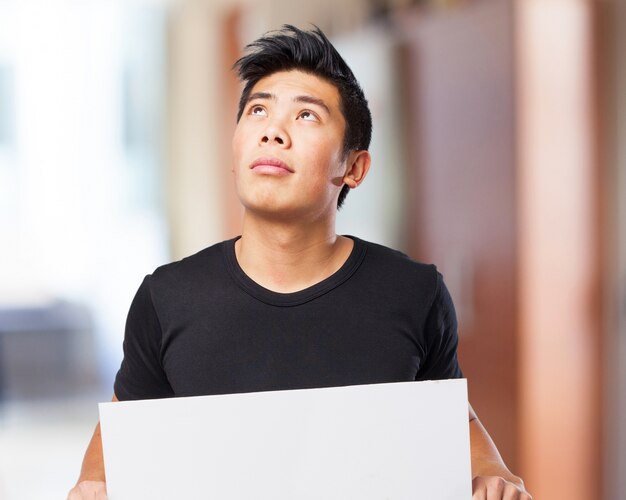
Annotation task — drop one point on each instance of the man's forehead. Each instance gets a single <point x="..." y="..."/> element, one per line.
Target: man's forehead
<point x="297" y="82"/>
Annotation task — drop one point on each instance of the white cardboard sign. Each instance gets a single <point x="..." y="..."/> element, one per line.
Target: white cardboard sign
<point x="397" y="441"/>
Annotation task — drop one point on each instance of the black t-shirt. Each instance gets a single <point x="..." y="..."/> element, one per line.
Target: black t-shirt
<point x="201" y="326"/>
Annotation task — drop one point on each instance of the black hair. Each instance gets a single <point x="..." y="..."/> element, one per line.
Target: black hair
<point x="291" y="48"/>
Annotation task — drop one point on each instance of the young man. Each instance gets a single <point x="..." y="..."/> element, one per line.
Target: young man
<point x="290" y="304"/>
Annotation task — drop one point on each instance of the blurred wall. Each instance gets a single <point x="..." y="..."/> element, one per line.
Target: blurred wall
<point x="560" y="249"/>
<point x="462" y="200"/>
<point x="81" y="131"/>
<point x="611" y="69"/>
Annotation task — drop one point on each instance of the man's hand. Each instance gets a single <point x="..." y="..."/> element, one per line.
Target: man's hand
<point x="88" y="490"/>
<point x="492" y="479"/>
<point x="497" y="488"/>
<point x="91" y="484"/>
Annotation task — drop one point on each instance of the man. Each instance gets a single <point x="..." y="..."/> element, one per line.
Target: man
<point x="290" y="304"/>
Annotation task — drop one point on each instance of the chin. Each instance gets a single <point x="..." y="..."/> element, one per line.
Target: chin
<point x="271" y="206"/>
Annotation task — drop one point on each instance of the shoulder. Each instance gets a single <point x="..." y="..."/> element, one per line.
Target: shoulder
<point x="392" y="260"/>
<point x="201" y="266"/>
<point x="394" y="270"/>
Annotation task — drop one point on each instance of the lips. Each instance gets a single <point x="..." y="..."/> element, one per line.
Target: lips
<point x="270" y="165"/>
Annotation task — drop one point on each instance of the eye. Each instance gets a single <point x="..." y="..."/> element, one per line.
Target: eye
<point x="308" y="116"/>
<point x="257" y="110"/>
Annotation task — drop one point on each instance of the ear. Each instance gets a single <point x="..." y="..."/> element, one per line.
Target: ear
<point x="357" y="167"/>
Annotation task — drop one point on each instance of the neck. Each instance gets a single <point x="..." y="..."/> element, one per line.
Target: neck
<point x="286" y="256"/>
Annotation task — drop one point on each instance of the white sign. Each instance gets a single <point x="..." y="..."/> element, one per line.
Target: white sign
<point x="398" y="441"/>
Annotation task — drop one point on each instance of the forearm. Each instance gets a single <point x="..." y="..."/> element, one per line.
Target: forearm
<point x="486" y="459"/>
<point x="93" y="462"/>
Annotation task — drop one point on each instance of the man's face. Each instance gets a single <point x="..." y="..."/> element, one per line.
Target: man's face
<point x="288" y="147"/>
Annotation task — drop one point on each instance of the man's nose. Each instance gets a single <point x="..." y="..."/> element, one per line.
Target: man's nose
<point x="275" y="133"/>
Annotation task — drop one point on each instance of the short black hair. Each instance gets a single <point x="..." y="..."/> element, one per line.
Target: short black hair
<point x="291" y="48"/>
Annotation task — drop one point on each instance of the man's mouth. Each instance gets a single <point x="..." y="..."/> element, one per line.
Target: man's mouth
<point x="270" y="165"/>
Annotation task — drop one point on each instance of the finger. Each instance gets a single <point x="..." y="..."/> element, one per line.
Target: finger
<point x="511" y="492"/>
<point x="495" y="488"/>
<point x="88" y="490"/>
<point x="514" y="492"/>
<point x="479" y="488"/>
<point x="100" y="492"/>
<point x="73" y="494"/>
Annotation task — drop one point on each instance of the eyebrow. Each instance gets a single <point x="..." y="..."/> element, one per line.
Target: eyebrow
<point x="309" y="99"/>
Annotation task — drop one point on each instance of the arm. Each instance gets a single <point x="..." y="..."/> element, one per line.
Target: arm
<point x="142" y="371"/>
<point x="91" y="483"/>
<point x="490" y="475"/>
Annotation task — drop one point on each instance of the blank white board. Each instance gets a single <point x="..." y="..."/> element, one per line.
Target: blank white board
<point x="397" y="441"/>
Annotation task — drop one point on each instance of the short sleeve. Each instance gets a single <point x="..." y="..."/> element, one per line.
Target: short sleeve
<point x="441" y="335"/>
<point x="141" y="374"/>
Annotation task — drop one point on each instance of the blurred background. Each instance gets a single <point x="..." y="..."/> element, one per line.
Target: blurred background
<point x="499" y="154"/>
